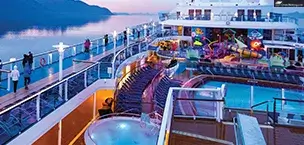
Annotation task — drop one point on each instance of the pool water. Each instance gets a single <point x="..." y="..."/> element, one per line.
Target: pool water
<point x="123" y="131"/>
<point x="238" y="96"/>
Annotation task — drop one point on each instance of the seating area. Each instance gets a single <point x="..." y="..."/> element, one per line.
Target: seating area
<point x="161" y="92"/>
<point x="132" y="90"/>
<point x="261" y="74"/>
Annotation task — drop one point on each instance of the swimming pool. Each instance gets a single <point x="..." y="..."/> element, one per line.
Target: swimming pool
<point x="121" y="131"/>
<point x="238" y="96"/>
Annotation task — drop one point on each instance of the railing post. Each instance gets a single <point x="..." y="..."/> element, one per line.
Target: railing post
<point x="38" y="108"/>
<point x="33" y="65"/>
<point x="251" y="96"/>
<point x="283" y="97"/>
<point x="139" y="47"/>
<point x="98" y="67"/>
<point x="94" y="105"/>
<point x="8" y="81"/>
<point x="97" y="48"/>
<point x="66" y="90"/>
<point x="50" y="58"/>
<point x="74" y="51"/>
<point x="85" y="78"/>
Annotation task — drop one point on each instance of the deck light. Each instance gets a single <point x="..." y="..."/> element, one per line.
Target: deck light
<point x="114" y="34"/>
<point x="145" y="26"/>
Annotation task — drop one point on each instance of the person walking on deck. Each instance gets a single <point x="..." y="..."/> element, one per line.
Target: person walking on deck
<point x="27" y="75"/>
<point x="15" y="77"/>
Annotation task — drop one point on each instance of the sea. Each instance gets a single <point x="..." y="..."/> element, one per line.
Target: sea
<point x="37" y="40"/>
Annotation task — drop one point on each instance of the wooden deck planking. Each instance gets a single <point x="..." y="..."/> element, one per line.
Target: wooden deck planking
<point x="12" y="98"/>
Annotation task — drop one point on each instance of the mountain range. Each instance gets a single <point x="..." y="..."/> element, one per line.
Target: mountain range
<point x="20" y="14"/>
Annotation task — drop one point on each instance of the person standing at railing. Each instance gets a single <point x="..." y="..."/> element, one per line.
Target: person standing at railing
<point x="87" y="45"/>
<point x="27" y="74"/>
<point x="106" y="39"/>
<point x="15" y="77"/>
<point x="25" y="59"/>
<point x="125" y="38"/>
<point x="30" y="59"/>
<point x="138" y="35"/>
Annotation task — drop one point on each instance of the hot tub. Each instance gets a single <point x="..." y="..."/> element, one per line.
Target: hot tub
<point x="121" y="131"/>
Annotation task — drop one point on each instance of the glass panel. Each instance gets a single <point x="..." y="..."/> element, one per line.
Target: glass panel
<point x="92" y="75"/>
<point x="51" y="99"/>
<point x="75" y="85"/>
<point x="105" y="70"/>
<point x="17" y="120"/>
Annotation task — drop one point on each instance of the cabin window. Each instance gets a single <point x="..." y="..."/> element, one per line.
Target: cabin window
<point x="258" y="15"/>
<point x="267" y="34"/>
<point x="191" y="14"/>
<point x="178" y="14"/>
<point x="241" y="14"/>
<point x="198" y="14"/>
<point x="250" y="15"/>
<point x="207" y="14"/>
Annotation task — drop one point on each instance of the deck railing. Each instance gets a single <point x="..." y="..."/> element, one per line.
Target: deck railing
<point x="50" y="58"/>
<point x="288" y="111"/>
<point x="232" y="17"/>
<point x="170" y="105"/>
<point x="18" y="117"/>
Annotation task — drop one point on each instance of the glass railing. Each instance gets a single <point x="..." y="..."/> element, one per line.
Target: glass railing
<point x="184" y="106"/>
<point x="46" y="63"/>
<point x="229" y="17"/>
<point x="288" y="111"/>
<point x="18" y="117"/>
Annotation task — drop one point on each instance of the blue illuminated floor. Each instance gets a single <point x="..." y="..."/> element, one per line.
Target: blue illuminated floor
<point x="53" y="68"/>
<point x="238" y="96"/>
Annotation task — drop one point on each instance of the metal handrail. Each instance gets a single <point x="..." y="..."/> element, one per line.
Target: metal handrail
<point x="259" y="104"/>
<point x="44" y="90"/>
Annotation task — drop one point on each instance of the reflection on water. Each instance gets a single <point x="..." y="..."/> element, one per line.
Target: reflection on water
<point x="39" y="40"/>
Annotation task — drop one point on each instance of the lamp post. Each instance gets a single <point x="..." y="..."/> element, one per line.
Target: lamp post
<point x="145" y="31"/>
<point x="60" y="47"/>
<point x="113" y="62"/>
<point x="153" y="28"/>
<point x="114" y="41"/>
<point x="128" y="37"/>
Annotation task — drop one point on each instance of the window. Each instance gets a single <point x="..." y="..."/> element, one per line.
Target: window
<point x="207" y="14"/>
<point x="267" y="34"/>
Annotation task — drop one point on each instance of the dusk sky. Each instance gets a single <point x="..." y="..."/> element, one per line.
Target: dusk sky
<point x="154" y="5"/>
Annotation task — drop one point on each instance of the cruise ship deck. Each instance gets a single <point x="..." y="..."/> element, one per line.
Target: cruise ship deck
<point x="180" y="81"/>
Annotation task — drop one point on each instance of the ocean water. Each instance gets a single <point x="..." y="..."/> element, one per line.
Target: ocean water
<point x="15" y="44"/>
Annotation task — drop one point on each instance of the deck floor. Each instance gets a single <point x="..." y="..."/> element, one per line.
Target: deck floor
<point x="35" y="87"/>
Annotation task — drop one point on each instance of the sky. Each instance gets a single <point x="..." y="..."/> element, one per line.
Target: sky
<point x="135" y="6"/>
